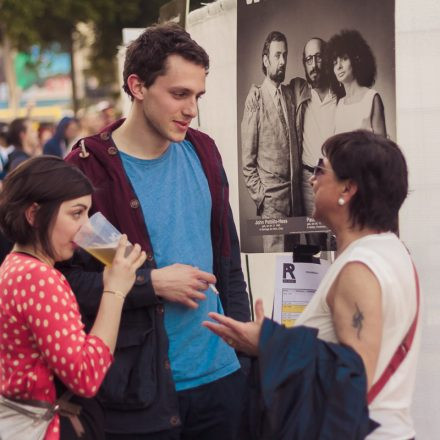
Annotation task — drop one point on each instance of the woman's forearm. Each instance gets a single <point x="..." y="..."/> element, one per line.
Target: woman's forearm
<point x="107" y="320"/>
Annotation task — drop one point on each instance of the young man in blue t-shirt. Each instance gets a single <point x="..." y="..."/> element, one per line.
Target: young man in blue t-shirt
<point x="170" y="194"/>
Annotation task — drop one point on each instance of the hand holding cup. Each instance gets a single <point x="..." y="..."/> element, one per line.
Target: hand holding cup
<point x="99" y="238"/>
<point x="121" y="274"/>
<point x="102" y="240"/>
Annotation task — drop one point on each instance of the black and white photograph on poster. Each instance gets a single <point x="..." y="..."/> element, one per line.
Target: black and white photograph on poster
<point x="305" y="71"/>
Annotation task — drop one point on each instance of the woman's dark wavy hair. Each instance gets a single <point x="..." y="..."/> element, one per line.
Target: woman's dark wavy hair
<point x="352" y="44"/>
<point x="47" y="181"/>
<point x="146" y="56"/>
<point x="378" y="167"/>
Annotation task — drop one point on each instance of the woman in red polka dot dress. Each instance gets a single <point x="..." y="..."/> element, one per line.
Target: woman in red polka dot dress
<point x="42" y="340"/>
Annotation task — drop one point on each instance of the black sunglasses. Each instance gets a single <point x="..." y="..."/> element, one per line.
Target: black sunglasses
<point x="319" y="169"/>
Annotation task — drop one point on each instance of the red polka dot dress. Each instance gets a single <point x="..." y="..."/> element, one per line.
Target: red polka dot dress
<point x="41" y="334"/>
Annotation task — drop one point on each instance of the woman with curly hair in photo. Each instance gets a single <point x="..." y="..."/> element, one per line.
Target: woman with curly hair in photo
<point x="354" y="72"/>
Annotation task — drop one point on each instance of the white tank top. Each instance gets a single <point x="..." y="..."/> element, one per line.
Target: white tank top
<point x="349" y="117"/>
<point x="386" y="256"/>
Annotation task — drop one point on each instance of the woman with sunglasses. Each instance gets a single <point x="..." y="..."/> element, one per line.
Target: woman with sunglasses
<point x="368" y="299"/>
<point x="43" y="346"/>
<point x="353" y="68"/>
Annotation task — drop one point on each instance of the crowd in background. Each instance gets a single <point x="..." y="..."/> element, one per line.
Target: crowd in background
<point x="25" y="137"/>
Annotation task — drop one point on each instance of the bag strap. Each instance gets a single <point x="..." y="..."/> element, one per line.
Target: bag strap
<point x="400" y="353"/>
<point x="62" y="406"/>
<point x="30" y="402"/>
<point x="22" y="407"/>
<point x="70" y="410"/>
<point x="44" y="404"/>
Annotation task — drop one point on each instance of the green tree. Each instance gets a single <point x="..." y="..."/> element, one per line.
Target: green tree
<point x="114" y="16"/>
<point x="24" y="23"/>
<point x="42" y="22"/>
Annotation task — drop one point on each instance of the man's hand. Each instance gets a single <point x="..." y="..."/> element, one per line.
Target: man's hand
<point x="181" y="283"/>
<point x="253" y="96"/>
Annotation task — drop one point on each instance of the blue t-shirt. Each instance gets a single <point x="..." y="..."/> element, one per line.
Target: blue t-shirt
<point x="176" y="204"/>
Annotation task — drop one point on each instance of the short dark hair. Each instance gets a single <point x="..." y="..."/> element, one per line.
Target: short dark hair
<point x="273" y="36"/>
<point x="146" y="56"/>
<point x="352" y="44"/>
<point x="16" y="127"/>
<point x="4" y="131"/>
<point x="47" y="181"/>
<point x="377" y="166"/>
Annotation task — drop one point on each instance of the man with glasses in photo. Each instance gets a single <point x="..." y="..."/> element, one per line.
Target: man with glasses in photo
<point x="315" y="107"/>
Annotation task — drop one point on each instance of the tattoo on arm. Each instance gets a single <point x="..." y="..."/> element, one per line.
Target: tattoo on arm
<point x="357" y="321"/>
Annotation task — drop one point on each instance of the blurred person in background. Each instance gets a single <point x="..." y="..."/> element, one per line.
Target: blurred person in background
<point x="5" y="244"/>
<point x="22" y="142"/>
<point x="3" y="135"/>
<point x="107" y="111"/>
<point x="4" y="149"/>
<point x="45" y="131"/>
<point x="90" y="122"/>
<point x="65" y="134"/>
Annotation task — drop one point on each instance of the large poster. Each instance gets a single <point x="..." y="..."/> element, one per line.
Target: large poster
<point x="305" y="71"/>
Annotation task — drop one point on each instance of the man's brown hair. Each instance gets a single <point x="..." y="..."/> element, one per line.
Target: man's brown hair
<point x="146" y="56"/>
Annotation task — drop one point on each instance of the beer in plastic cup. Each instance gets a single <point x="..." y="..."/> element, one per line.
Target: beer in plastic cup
<point x="99" y="238"/>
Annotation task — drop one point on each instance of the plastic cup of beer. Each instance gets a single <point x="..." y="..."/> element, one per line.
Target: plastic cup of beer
<point x="99" y="238"/>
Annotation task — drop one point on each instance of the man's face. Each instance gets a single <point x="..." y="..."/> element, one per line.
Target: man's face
<point x="29" y="137"/>
<point x="170" y="103"/>
<point x="313" y="63"/>
<point x="72" y="131"/>
<point x="275" y="61"/>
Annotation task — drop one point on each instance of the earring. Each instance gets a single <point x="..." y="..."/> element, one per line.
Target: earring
<point x="341" y="201"/>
